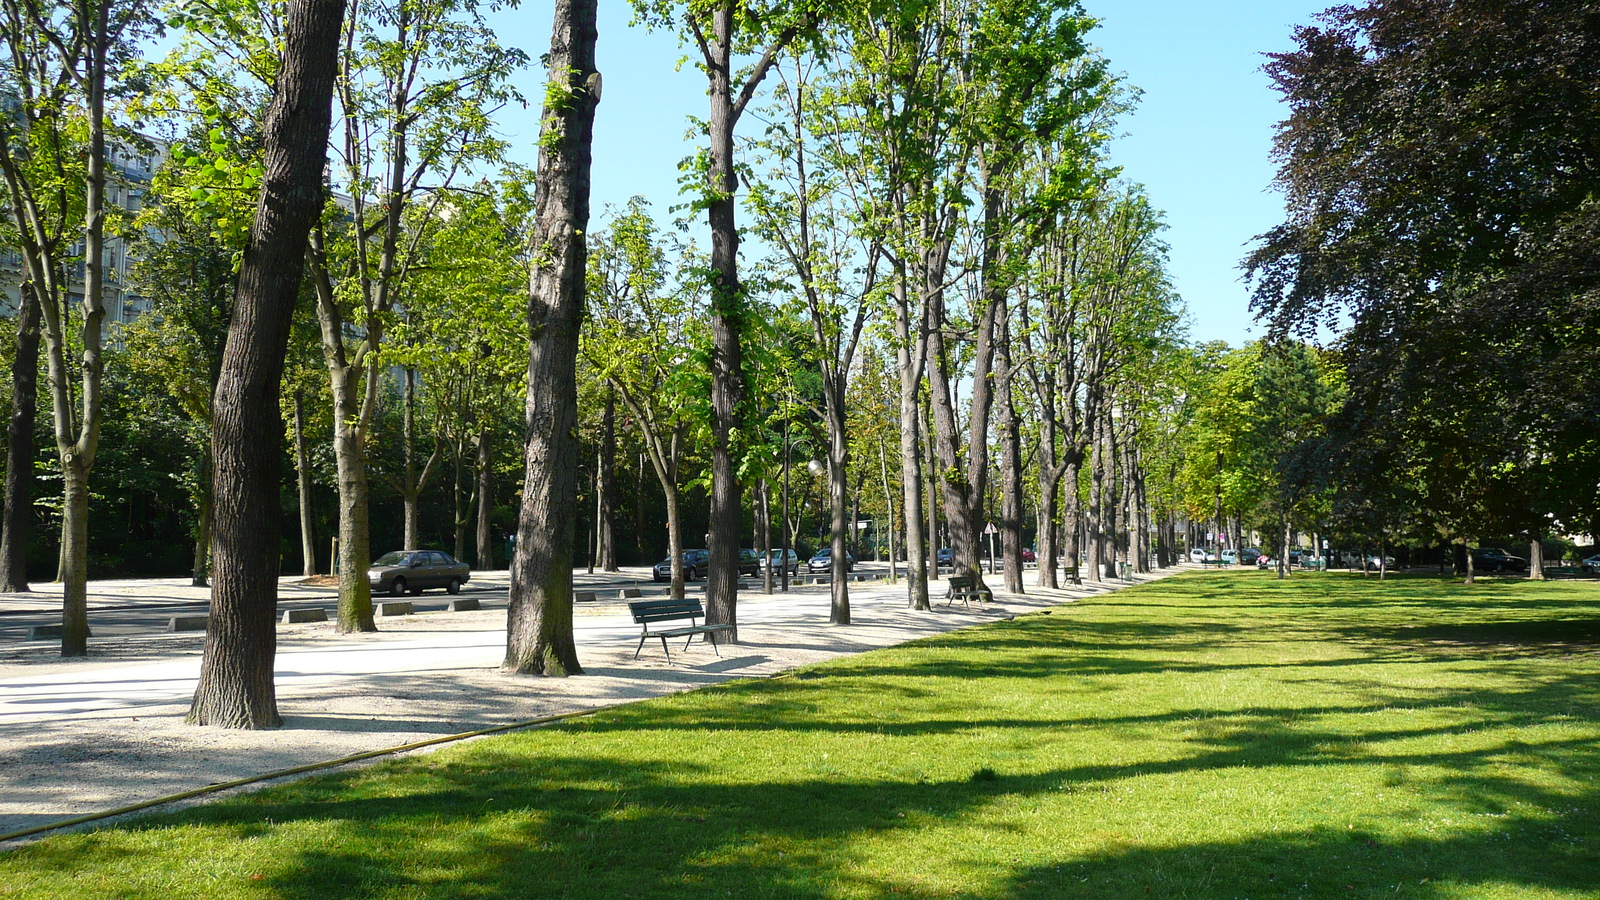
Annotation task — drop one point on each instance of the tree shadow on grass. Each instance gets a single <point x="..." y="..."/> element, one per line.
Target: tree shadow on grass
<point x="554" y="815"/>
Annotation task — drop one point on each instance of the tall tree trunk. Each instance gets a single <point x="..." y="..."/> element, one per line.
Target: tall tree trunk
<point x="355" y="536"/>
<point x="539" y="639"/>
<point x="607" y="506"/>
<point x="1094" y="515"/>
<point x="201" y="570"/>
<point x="1011" y="501"/>
<point x="893" y="528"/>
<point x="764" y="534"/>
<point x="17" y="525"/>
<point x="236" y="688"/>
<point x="410" y="485"/>
<point x="302" y="466"/>
<point x="727" y="311"/>
<point x="1536" y="559"/>
<point x="485" y="475"/>
<point x="910" y="354"/>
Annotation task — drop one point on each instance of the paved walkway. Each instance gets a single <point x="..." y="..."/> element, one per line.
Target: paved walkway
<point x="80" y="736"/>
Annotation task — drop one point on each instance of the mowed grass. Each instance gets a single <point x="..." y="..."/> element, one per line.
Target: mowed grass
<point x="1216" y="735"/>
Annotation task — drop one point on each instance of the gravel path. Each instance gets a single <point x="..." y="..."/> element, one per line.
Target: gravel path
<point x="86" y="736"/>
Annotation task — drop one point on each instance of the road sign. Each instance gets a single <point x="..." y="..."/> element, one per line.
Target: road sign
<point x="990" y="529"/>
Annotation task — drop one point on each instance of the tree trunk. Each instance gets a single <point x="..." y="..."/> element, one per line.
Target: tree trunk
<point x="302" y="466"/>
<point x="355" y="537"/>
<point x="764" y="534"/>
<point x="485" y="474"/>
<point x="539" y="639"/>
<point x="17" y="525"/>
<point x="1536" y="559"/>
<point x="1010" y="461"/>
<point x="410" y="486"/>
<point x="727" y="311"/>
<point x="607" y="506"/>
<point x="236" y="688"/>
<point x="910" y="354"/>
<point x="200" y="573"/>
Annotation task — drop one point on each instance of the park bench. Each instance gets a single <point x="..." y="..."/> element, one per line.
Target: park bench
<point x="965" y="588"/>
<point x="1218" y="563"/>
<point x="1070" y="573"/>
<point x="650" y="612"/>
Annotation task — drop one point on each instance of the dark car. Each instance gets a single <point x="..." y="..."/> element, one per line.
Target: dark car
<point x="696" y="563"/>
<point x="945" y="557"/>
<point x="415" y="571"/>
<point x="823" y="561"/>
<point x="749" y="562"/>
<point x="1249" y="555"/>
<point x="1493" y="559"/>
<point x="792" y="561"/>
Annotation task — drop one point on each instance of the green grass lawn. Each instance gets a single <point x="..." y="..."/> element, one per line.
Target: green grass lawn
<point x="1217" y="735"/>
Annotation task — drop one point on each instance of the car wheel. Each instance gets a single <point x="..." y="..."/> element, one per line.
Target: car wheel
<point x="398" y="587"/>
<point x="454" y="586"/>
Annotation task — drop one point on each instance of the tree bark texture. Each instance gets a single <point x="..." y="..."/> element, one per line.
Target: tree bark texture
<point x="17" y="525"/>
<point x="236" y="687"/>
<point x="539" y="639"/>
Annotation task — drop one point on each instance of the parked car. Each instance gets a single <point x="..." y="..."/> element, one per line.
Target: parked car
<point x="1591" y="566"/>
<point x="415" y="571"/>
<point x="1249" y="555"/>
<point x="778" y="562"/>
<point x="1028" y="555"/>
<point x="945" y="557"/>
<point x="749" y="562"/>
<point x="1230" y="556"/>
<point x="823" y="561"/>
<point x="1493" y="559"/>
<point x="1375" y="562"/>
<point x="1200" y="555"/>
<point x="696" y="563"/>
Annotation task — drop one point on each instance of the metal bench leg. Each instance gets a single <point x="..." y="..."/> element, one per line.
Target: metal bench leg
<point x="665" y="650"/>
<point x="642" y="638"/>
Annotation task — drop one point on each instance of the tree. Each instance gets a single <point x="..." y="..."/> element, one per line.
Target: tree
<point x="236" y="687"/>
<point x="1440" y="175"/>
<point x="420" y="81"/>
<point x="803" y="211"/>
<point x="60" y="59"/>
<point x="722" y="30"/>
<point x="539" y="622"/>
<point x="641" y="341"/>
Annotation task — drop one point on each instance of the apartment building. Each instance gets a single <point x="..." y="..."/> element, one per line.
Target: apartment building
<point x="129" y="169"/>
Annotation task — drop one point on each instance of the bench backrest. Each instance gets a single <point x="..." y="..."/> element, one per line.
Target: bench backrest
<point x="960" y="582"/>
<point x="647" y="611"/>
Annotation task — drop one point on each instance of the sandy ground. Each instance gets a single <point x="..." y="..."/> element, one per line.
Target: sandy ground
<point x="86" y="736"/>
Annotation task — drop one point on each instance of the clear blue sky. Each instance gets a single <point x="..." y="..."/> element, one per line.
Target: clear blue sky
<point x="1199" y="139"/>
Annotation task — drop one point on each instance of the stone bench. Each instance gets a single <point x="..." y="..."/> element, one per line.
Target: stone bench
<point x="465" y="604"/>
<point x="396" y="608"/>
<point x="187" y="623"/>
<point x="296" y="616"/>
<point x="45" y="632"/>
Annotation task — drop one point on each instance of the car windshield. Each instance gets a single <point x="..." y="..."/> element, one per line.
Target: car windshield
<point x="395" y="558"/>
